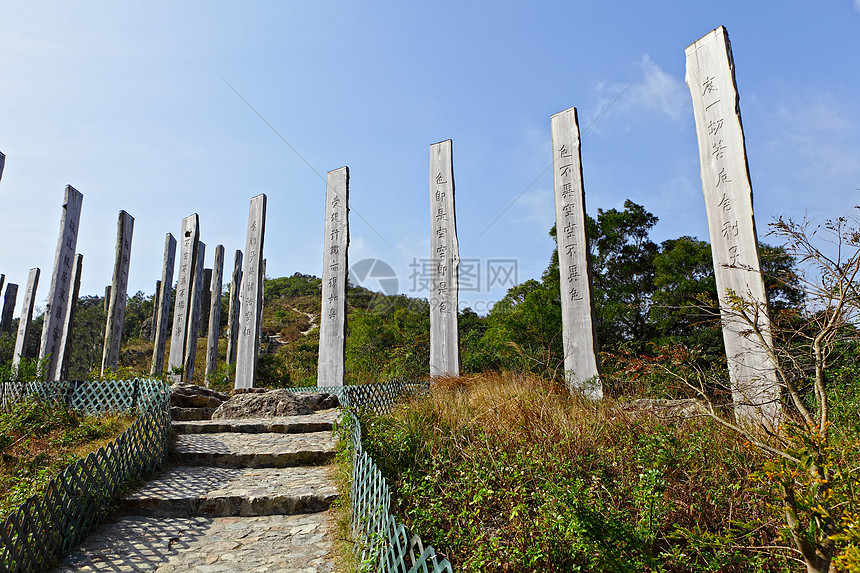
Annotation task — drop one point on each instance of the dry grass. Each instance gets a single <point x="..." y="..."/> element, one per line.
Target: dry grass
<point x="507" y="472"/>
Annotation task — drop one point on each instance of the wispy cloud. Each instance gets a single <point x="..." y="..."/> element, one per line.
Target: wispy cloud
<point x="857" y="6"/>
<point x="656" y="91"/>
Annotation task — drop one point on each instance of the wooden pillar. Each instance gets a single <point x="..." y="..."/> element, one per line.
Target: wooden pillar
<point x="58" y="293"/>
<point x="160" y="326"/>
<point x="249" y="317"/>
<point x="66" y="341"/>
<point x="26" y="317"/>
<point x="193" y="329"/>
<point x="190" y="240"/>
<point x="445" y="260"/>
<point x="154" y="321"/>
<point x="734" y="244"/>
<point x="214" y="314"/>
<point x="8" y="307"/>
<point x="330" y="366"/>
<point x="235" y="304"/>
<point x="579" y="337"/>
<point x="119" y="291"/>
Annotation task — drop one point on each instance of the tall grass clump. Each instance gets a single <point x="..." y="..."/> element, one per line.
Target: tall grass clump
<point x="505" y="472"/>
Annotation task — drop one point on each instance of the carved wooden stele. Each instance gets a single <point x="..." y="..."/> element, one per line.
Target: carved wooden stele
<point x="734" y="245"/>
<point x="579" y="340"/>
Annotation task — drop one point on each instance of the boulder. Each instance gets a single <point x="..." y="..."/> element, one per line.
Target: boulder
<point x="318" y="400"/>
<point x="185" y="395"/>
<point x="262" y="405"/>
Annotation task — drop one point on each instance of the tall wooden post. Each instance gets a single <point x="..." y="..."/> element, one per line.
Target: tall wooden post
<point x="579" y="339"/>
<point x="58" y="293"/>
<point x="734" y="244"/>
<point x="214" y="314"/>
<point x="164" y="298"/>
<point x="26" y="317"/>
<point x="66" y="341"/>
<point x="194" y="317"/>
<point x="235" y="304"/>
<point x="8" y="307"/>
<point x="190" y="239"/>
<point x="119" y="292"/>
<point x="330" y="366"/>
<point x="445" y="260"/>
<point x="154" y="320"/>
<point x="249" y="317"/>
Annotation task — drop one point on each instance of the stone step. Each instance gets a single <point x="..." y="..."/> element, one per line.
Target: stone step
<point x="254" y="450"/>
<point x="317" y="422"/>
<point x="201" y="491"/>
<point x="298" y="543"/>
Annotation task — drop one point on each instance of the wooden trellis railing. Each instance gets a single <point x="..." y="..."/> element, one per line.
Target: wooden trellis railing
<point x="46" y="527"/>
<point x="383" y="544"/>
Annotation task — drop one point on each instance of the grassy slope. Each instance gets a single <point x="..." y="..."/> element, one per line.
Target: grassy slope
<point x="505" y="473"/>
<point x="37" y="442"/>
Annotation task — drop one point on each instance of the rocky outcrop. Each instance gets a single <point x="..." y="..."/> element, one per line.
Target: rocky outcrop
<point x="273" y="403"/>
<point x="193" y="402"/>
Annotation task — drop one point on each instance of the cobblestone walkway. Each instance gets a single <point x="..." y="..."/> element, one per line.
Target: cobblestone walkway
<point x="260" y="503"/>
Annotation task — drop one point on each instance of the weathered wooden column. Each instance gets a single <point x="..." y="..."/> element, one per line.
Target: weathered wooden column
<point x="193" y="331"/>
<point x="235" y="304"/>
<point x="8" y="310"/>
<point x="579" y="340"/>
<point x="58" y="293"/>
<point x="2" y="282"/>
<point x="107" y="298"/>
<point x="69" y="321"/>
<point x="734" y="244"/>
<point x="214" y="314"/>
<point x="445" y="260"/>
<point x="154" y="320"/>
<point x="118" y="294"/>
<point x="248" y="347"/>
<point x="26" y="317"/>
<point x="163" y="305"/>
<point x="190" y="238"/>
<point x="330" y="366"/>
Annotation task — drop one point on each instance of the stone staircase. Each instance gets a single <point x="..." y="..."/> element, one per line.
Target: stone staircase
<point x="242" y="495"/>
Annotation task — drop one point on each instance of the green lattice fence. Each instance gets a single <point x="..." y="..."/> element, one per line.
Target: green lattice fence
<point x="383" y="543"/>
<point x="46" y="527"/>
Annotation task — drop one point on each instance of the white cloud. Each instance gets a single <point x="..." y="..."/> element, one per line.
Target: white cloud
<point x="857" y="6"/>
<point x="654" y="91"/>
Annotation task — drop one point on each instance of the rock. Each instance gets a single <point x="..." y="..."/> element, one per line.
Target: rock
<point x="681" y="409"/>
<point x="185" y="395"/>
<point x="260" y="405"/>
<point x="318" y="400"/>
<point x="190" y="414"/>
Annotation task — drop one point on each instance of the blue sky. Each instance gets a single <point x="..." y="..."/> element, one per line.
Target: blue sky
<point x="130" y="103"/>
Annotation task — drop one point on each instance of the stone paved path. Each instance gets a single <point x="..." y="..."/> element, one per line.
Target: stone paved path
<point x="259" y="504"/>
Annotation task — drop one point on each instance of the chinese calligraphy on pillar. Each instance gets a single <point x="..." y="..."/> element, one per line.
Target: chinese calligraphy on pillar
<point x="330" y="369"/>
<point x="248" y="348"/>
<point x="445" y="257"/>
<point x="734" y="245"/>
<point x="119" y="289"/>
<point x="61" y="284"/>
<point x="190" y="238"/>
<point x="581" y="363"/>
